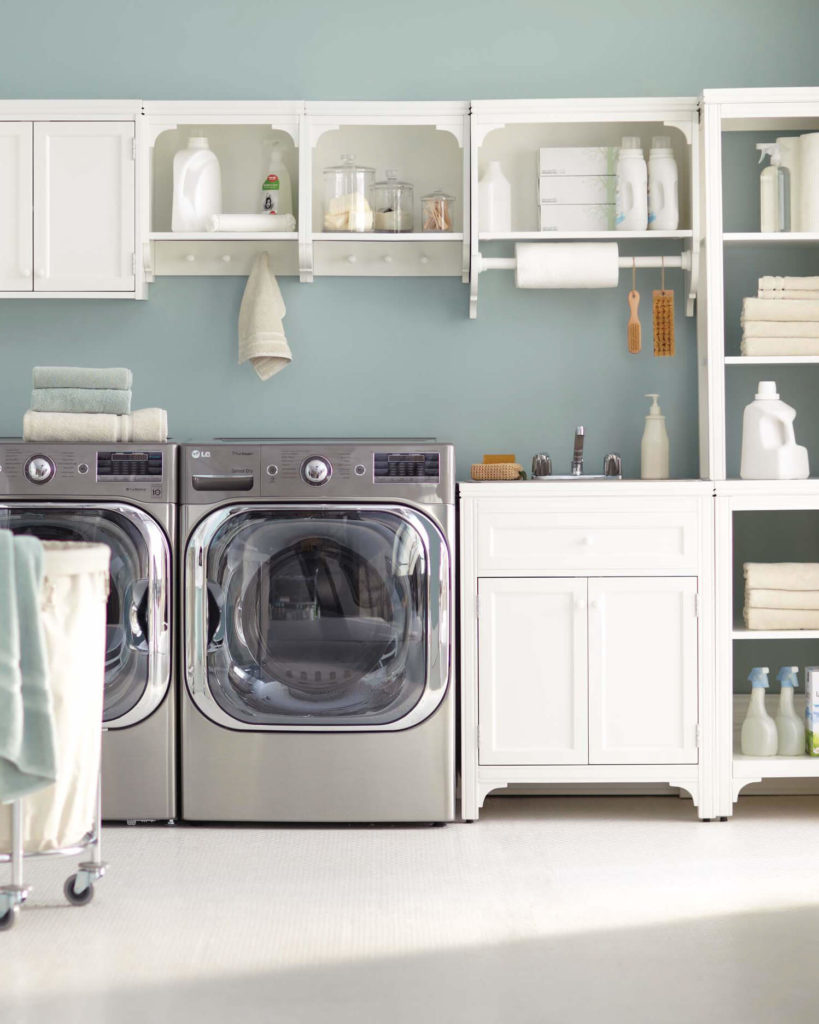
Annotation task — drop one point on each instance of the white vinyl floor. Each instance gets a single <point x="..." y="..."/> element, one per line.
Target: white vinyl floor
<point x="582" y="909"/>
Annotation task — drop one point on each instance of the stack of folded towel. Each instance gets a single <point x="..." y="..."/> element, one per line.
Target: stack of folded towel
<point x="783" y="319"/>
<point x="781" y="595"/>
<point x="77" y="403"/>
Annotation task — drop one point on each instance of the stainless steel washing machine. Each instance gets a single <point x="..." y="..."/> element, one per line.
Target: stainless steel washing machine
<point x="318" y="631"/>
<point x="123" y="496"/>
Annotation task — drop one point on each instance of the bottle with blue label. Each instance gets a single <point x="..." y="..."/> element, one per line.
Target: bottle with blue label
<point x="759" y="735"/>
<point x="789" y="726"/>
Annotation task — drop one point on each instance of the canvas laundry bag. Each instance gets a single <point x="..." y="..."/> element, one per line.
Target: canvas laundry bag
<point x="74" y="596"/>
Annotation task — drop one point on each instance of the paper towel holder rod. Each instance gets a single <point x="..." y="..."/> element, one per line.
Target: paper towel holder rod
<point x="681" y="262"/>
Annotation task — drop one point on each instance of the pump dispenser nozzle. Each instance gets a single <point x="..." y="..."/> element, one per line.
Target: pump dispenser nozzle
<point x="655" y="409"/>
<point x="759" y="677"/>
<point x="787" y="676"/>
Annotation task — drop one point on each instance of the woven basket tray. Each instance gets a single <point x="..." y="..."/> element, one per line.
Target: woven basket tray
<point x="496" y="471"/>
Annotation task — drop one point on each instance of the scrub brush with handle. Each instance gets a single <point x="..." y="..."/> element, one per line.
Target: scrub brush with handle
<point x="663" y="316"/>
<point x="634" y="329"/>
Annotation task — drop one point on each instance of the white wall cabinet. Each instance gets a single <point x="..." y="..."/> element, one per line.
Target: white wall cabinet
<point x="587" y="642"/>
<point x="68" y="201"/>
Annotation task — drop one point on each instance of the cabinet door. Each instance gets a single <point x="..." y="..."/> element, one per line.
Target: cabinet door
<point x="15" y="206"/>
<point x="532" y="671"/>
<point x="84" y="206"/>
<point x="643" y="670"/>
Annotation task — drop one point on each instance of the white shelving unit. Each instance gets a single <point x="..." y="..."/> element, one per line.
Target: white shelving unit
<point x="512" y="131"/>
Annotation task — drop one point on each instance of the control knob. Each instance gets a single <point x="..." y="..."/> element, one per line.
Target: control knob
<point x="39" y="469"/>
<point x="316" y="470"/>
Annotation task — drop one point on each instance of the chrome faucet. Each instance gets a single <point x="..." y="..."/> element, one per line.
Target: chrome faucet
<point x="577" y="456"/>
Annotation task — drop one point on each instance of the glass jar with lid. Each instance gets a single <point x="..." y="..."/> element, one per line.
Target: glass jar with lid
<point x="392" y="204"/>
<point x="346" y="196"/>
<point x="438" y="208"/>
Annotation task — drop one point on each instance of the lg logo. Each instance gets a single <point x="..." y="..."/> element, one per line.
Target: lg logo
<point x="196" y="454"/>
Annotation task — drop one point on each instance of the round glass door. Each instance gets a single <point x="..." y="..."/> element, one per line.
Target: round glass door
<point x="128" y="648"/>
<point x="317" y="618"/>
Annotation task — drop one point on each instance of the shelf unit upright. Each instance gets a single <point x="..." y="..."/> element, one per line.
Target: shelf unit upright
<point x="735" y="256"/>
<point x="512" y="132"/>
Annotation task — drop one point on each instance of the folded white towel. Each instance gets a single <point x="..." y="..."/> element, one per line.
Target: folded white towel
<point x="261" y="334"/>
<point x="786" y="293"/>
<point x="246" y="222"/>
<point x="781" y="575"/>
<point x="780" y="346"/>
<point x="780" y="309"/>
<point x="773" y="329"/>
<point x="782" y="283"/>
<point x="140" y="425"/>
<point x="780" y="618"/>
<point x="82" y="377"/>
<point x="803" y="600"/>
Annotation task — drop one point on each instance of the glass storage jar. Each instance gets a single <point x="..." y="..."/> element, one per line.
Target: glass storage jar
<point x="346" y="191"/>
<point x="438" y="208"/>
<point x="392" y="204"/>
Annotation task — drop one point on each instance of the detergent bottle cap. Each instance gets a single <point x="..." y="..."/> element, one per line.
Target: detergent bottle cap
<point x="655" y="409"/>
<point x="198" y="142"/>
<point x="759" y="677"/>
<point x="787" y="675"/>
<point x="771" y="149"/>
<point x="766" y="389"/>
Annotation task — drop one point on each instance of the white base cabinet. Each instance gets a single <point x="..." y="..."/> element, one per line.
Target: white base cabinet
<point x="586" y="642"/>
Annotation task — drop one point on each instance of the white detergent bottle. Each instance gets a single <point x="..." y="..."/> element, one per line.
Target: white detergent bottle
<point x="774" y="190"/>
<point x="759" y="735"/>
<point x="769" y="448"/>
<point x="631" y="187"/>
<point x="654" y="446"/>
<point x="494" y="200"/>
<point x="277" y="194"/>
<point x="663" y="204"/>
<point x="790" y="728"/>
<point x="197" y="186"/>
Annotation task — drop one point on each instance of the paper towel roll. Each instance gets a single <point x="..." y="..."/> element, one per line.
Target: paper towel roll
<point x="809" y="183"/>
<point x="566" y="265"/>
<point x="246" y="222"/>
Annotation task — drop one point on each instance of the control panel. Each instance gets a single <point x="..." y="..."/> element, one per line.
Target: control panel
<point x="128" y="465"/>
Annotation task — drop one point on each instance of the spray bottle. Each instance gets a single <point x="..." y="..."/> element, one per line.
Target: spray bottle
<point x="654" y="446"/>
<point x="789" y="726"/>
<point x="759" y="735"/>
<point x="774" y="190"/>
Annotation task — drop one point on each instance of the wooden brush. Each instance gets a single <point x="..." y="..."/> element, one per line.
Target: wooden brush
<point x="635" y="342"/>
<point x="663" y="316"/>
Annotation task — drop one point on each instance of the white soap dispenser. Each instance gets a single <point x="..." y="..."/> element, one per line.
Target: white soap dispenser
<point x="789" y="726"/>
<point x="654" y="447"/>
<point x="759" y="734"/>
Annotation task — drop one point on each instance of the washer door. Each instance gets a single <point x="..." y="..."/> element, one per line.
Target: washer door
<point x="317" y="617"/>
<point x="138" y="653"/>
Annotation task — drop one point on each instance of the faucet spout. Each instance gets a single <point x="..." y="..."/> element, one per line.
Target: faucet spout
<point x="577" y="456"/>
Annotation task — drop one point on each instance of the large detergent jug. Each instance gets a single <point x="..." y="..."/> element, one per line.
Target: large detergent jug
<point x="769" y="448"/>
<point x="197" y="186"/>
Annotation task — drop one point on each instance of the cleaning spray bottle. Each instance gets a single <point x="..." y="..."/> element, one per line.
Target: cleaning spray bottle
<point x="277" y="195"/>
<point x="774" y="190"/>
<point x="759" y="735"/>
<point x="789" y="726"/>
<point x="654" y="446"/>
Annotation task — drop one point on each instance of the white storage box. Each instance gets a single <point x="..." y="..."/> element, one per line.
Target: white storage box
<point x="577" y="160"/>
<point x="580" y="217"/>
<point x="75" y="591"/>
<point x="594" y="189"/>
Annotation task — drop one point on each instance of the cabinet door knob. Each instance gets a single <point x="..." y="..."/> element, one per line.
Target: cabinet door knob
<point x="386" y="259"/>
<point x="424" y="260"/>
<point x="351" y="259"/>
<point x="587" y="541"/>
<point x="226" y="258"/>
<point x="25" y="271"/>
<point x="594" y="605"/>
<point x="580" y="604"/>
<point x="39" y="272"/>
<point x="190" y="258"/>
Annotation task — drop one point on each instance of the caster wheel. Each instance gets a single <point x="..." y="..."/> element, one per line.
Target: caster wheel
<point x="8" y="919"/>
<point x="78" y="899"/>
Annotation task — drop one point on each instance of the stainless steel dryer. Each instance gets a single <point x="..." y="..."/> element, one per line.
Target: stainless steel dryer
<point x="123" y="496"/>
<point x="318" y="631"/>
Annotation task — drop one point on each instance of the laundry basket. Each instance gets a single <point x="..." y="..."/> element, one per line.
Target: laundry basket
<point x="75" y="589"/>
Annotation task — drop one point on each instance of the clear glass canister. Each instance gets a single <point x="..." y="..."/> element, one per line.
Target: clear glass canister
<point x="392" y="204"/>
<point x="346" y="196"/>
<point x="438" y="208"/>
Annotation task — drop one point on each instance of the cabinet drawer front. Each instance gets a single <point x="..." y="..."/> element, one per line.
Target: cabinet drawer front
<point x="543" y="537"/>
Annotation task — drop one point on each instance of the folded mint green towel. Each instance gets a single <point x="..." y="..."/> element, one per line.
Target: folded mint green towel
<point x="33" y="763"/>
<point x="109" y="400"/>
<point x="116" y="377"/>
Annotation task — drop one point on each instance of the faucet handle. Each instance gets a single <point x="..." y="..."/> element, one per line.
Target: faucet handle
<point x="541" y="465"/>
<point x="613" y="465"/>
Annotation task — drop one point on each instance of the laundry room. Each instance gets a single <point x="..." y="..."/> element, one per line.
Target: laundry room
<point x="408" y="511"/>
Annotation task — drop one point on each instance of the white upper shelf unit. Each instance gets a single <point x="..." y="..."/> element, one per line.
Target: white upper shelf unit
<point x="512" y="131"/>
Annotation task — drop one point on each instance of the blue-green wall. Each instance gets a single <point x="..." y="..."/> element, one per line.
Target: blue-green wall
<point x="388" y="356"/>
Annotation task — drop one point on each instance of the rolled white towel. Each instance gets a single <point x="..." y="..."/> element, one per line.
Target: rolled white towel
<point x="780" y="346"/>
<point x="781" y="575"/>
<point x="780" y="309"/>
<point x="140" y="425"/>
<point x="773" y="329"/>
<point x="781" y="618"/>
<point x="248" y="222"/>
<point x="802" y="600"/>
